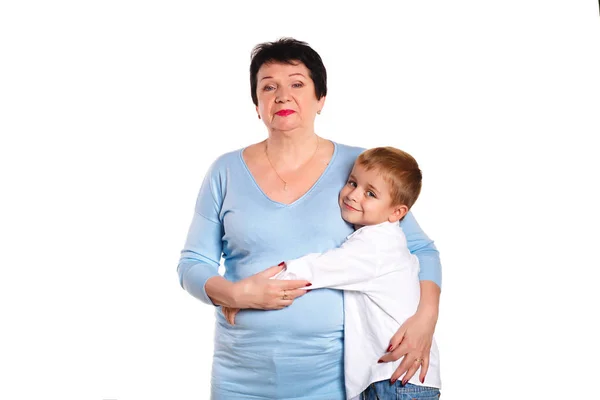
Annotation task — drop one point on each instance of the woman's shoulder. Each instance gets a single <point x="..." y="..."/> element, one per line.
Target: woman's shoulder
<point x="222" y="166"/>
<point x="226" y="161"/>
<point x="348" y="152"/>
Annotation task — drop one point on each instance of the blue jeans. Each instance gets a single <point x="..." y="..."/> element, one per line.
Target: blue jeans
<point x="382" y="390"/>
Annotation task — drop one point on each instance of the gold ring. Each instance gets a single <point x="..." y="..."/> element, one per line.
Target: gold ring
<point x="419" y="360"/>
<point x="284" y="295"/>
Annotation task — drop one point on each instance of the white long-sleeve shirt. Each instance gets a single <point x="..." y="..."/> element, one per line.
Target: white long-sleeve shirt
<point x="380" y="279"/>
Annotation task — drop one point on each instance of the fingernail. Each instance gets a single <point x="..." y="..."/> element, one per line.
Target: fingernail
<point x="309" y="290"/>
<point x="379" y="361"/>
<point x="403" y="383"/>
<point x="281" y="264"/>
<point x="393" y="381"/>
<point x="423" y="380"/>
<point x="389" y="349"/>
<point x="309" y="284"/>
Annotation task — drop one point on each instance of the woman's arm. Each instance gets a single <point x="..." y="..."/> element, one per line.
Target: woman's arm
<point x="430" y="274"/>
<point x="420" y="245"/>
<point x="414" y="338"/>
<point x="200" y="259"/>
<point x="201" y="255"/>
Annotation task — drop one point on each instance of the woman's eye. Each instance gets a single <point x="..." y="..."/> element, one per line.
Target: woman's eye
<point x="298" y="85"/>
<point x="268" y="88"/>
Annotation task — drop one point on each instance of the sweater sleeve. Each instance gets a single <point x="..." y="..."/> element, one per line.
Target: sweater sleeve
<point x="421" y="246"/>
<point x="201" y="255"/>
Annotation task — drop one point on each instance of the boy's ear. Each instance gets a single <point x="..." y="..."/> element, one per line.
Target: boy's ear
<point x="399" y="212"/>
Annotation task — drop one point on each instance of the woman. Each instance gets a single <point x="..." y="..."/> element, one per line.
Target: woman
<point x="277" y="200"/>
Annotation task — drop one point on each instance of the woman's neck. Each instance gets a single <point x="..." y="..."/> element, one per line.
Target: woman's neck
<point x="291" y="149"/>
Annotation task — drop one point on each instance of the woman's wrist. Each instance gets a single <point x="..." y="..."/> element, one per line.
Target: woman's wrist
<point x="428" y="312"/>
<point x="429" y="303"/>
<point x="221" y="291"/>
<point x="238" y="295"/>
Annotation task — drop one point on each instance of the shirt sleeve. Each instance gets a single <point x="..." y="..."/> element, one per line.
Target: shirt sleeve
<point x="352" y="266"/>
<point x="201" y="255"/>
<point x="421" y="246"/>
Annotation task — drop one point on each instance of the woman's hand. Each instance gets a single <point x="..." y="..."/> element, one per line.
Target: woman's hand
<point x="413" y="341"/>
<point x="230" y="313"/>
<point x="260" y="292"/>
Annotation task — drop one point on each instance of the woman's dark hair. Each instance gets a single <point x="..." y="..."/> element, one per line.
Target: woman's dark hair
<point x="290" y="51"/>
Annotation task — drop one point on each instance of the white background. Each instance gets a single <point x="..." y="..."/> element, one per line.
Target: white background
<point x="111" y="112"/>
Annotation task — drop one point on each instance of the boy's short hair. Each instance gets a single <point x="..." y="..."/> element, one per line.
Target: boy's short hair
<point x="398" y="168"/>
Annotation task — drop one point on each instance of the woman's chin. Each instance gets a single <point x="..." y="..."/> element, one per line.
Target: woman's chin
<point x="285" y="126"/>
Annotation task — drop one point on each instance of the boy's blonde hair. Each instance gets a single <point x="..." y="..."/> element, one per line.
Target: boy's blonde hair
<point x="398" y="168"/>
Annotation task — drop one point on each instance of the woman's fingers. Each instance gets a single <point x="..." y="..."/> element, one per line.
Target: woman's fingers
<point x="295" y="284"/>
<point x="413" y="367"/>
<point x="409" y="365"/>
<point x="401" y="370"/>
<point x="231" y="317"/>
<point x="397" y="339"/>
<point x="407" y="368"/>
<point x="229" y="314"/>
<point x="272" y="271"/>
<point x="281" y="298"/>
<point x="414" y="338"/>
<point x="284" y="304"/>
<point x="293" y="294"/>
<point x="287" y="297"/>
<point x="285" y="283"/>
<point x="395" y="354"/>
<point x="424" y="369"/>
<point x="260" y="292"/>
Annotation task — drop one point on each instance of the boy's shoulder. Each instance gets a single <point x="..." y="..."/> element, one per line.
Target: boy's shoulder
<point x="381" y="235"/>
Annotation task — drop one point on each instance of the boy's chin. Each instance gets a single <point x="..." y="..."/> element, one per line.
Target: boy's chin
<point x="352" y="221"/>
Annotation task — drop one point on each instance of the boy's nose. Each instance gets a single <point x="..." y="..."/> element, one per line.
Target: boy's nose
<point x="353" y="195"/>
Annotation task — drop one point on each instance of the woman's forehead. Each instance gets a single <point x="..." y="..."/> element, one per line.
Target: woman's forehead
<point x="272" y="68"/>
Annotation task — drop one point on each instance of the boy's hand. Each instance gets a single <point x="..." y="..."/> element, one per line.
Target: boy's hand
<point x="230" y="313"/>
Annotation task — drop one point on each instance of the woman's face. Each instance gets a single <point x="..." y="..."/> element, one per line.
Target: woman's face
<point x="286" y="97"/>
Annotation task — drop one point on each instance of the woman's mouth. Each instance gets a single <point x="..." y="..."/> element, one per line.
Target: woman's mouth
<point x="284" y="113"/>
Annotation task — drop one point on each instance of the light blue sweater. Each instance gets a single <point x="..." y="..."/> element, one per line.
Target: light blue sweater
<point x="294" y="353"/>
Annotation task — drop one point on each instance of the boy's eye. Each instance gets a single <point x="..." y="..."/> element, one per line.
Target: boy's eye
<point x="352" y="183"/>
<point x="371" y="194"/>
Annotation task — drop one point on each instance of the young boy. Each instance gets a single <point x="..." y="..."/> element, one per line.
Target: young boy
<point x="377" y="272"/>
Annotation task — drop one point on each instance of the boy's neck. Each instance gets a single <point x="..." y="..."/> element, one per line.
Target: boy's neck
<point x="357" y="227"/>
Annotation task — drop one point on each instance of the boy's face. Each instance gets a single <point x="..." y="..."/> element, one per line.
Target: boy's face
<point x="366" y="199"/>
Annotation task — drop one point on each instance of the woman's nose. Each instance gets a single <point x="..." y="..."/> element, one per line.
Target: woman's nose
<point x="282" y="95"/>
